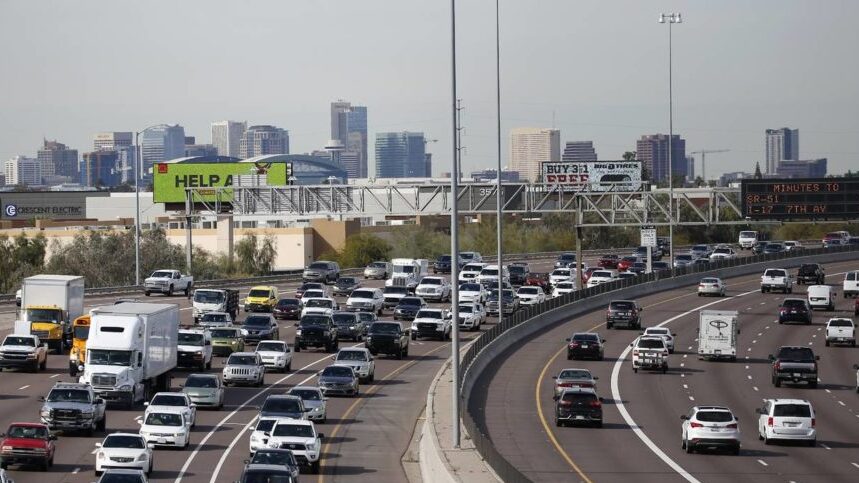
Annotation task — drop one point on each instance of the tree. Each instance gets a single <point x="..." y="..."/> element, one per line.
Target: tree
<point x="360" y="250"/>
<point x="629" y="156"/>
<point x="20" y="257"/>
<point x="255" y="256"/>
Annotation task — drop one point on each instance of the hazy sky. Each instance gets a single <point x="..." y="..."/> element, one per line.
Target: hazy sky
<point x="598" y="68"/>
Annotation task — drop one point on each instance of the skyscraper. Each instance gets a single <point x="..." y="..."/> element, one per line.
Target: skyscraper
<point x="112" y="140"/>
<point x="652" y="151"/>
<point x="159" y="144"/>
<point x="58" y="160"/>
<point x="579" y="151"/>
<point x="200" y="150"/>
<point x="227" y="137"/>
<point x="101" y="169"/>
<point x="530" y="147"/>
<point x="264" y="139"/>
<point x="349" y="125"/>
<point x="781" y="144"/>
<point x="21" y="170"/>
<point x="400" y="155"/>
<point x="812" y="168"/>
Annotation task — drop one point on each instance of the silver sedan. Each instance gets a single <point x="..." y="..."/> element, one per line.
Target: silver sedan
<point x="711" y="286"/>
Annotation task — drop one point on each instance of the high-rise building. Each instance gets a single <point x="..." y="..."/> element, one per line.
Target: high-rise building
<point x="264" y="139"/>
<point x="813" y="168"/>
<point x="428" y="165"/>
<point x="101" y="169"/>
<point x="781" y="144"/>
<point x="690" y="168"/>
<point x="127" y="155"/>
<point x="200" y="150"/>
<point x="58" y="160"/>
<point x="349" y="125"/>
<point x="530" y="147"/>
<point x="227" y="137"/>
<point x="159" y="144"/>
<point x="21" y="170"/>
<point x="112" y="140"/>
<point x="652" y="151"/>
<point x="400" y="155"/>
<point x="579" y="151"/>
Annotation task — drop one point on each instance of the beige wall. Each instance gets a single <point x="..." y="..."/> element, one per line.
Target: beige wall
<point x="294" y="246"/>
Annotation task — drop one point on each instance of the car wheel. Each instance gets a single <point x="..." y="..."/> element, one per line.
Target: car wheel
<point x="558" y="422"/>
<point x="170" y="291"/>
<point x="569" y="356"/>
<point x="736" y="451"/>
<point x="44" y="364"/>
<point x="776" y="382"/>
<point x="414" y="337"/>
<point x="827" y="343"/>
<point x="147" y="293"/>
<point x="297" y="348"/>
<point x="689" y="448"/>
<point x="635" y="370"/>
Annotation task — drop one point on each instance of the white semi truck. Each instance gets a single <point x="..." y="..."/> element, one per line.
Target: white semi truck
<point x="131" y="350"/>
<point x="408" y="272"/>
<point x="717" y="334"/>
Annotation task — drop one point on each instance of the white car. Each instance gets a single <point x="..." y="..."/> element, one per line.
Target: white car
<point x="747" y="239"/>
<point x="489" y="275"/>
<point x="663" y="332"/>
<point x="840" y="330"/>
<point x="276" y="355"/>
<point x="563" y="288"/>
<point x="312" y="294"/>
<point x="366" y="300"/>
<point x="166" y="428"/>
<point x="314" y="402"/>
<point x="471" y="316"/>
<point x="430" y="322"/>
<point x="215" y="319"/>
<point x="786" y="419"/>
<point x="529" y="295"/>
<point x="710" y="427"/>
<point x="194" y="349"/>
<point x="319" y="306"/>
<point x="776" y="279"/>
<point x="434" y="288"/>
<point x="602" y="276"/>
<point x="470" y="272"/>
<point x="649" y="353"/>
<point x="123" y="450"/>
<point x="723" y="253"/>
<point x="173" y="401"/>
<point x="559" y="275"/>
<point x="301" y="438"/>
<point x="259" y="438"/>
<point x="360" y="360"/>
<point x="791" y="245"/>
<point x="471" y="257"/>
<point x="472" y="292"/>
<point x="711" y="286"/>
<point x="850" y="287"/>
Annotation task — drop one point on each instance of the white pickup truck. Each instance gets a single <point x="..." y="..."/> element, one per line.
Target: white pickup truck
<point x="840" y="331"/>
<point x="23" y="351"/>
<point x="168" y="281"/>
<point x="776" y="279"/>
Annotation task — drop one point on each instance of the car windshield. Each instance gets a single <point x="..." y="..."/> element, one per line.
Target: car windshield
<point x="774" y="273"/>
<point x="22" y="341"/>
<point x="314" y="320"/>
<point x="351" y="356"/>
<point x="168" y="400"/>
<point x="287" y="302"/>
<point x="384" y="328"/>
<point x="797" y="354"/>
<point x="377" y="265"/>
<point x="841" y="323"/>
<point x="793" y="303"/>
<point x="430" y="314"/>
<point x="44" y="315"/>
<point x="257" y="321"/>
<point x="472" y="268"/>
<point x="278" y="458"/>
<point x="517" y="269"/>
<point x="411" y="301"/>
<point x="306" y="394"/>
<point x="431" y="281"/>
<point x="282" y="405"/>
<point x="323" y="303"/>
<point x="210" y="382"/>
<point x="466" y="309"/>
<point x="224" y="334"/>
<point x="120" y="478"/>
<point x="123" y="441"/>
<point x="470" y="287"/>
<point x="241" y="360"/>
<point x="191" y="339"/>
<point x="344" y="319"/>
<point x="208" y="296"/>
<point x="656" y="331"/>
<point x="210" y="317"/>
<point x="586" y="337"/>
<point x="792" y="410"/>
<point x="164" y="419"/>
<point x="567" y="257"/>
<point x="574" y="374"/>
<point x="265" y="424"/>
<point x="271" y="346"/>
<point x="684" y="257"/>
<point x="714" y="416"/>
<point x="561" y="273"/>
<point x="81" y="332"/>
<point x="258" y="292"/>
<point x="566" y="285"/>
<point x="774" y="246"/>
<point x="347" y="281"/>
<point x="109" y="358"/>
<point x="318" y="266"/>
<point x="700" y="248"/>
<point x="578" y="398"/>
<point x="601" y="275"/>
<point x="337" y="371"/>
<point x="313" y="293"/>
<point x="27" y="432"/>
<point x="68" y="395"/>
<point x="651" y="344"/>
<point x="490" y="272"/>
<point x="161" y="274"/>
<point x="404" y="268"/>
<point x="396" y="290"/>
<point x="709" y="280"/>
<point x="639" y="265"/>
<point x="622" y="305"/>
<point x="293" y="430"/>
<point x="362" y="294"/>
<point x="748" y="234"/>
<point x="529" y="291"/>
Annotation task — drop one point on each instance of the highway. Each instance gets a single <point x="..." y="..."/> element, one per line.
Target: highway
<point x="513" y="402"/>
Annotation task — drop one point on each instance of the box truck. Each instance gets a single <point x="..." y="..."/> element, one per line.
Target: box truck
<point x="131" y="350"/>
<point x="717" y="334"/>
<point x="49" y="304"/>
<point x="215" y="300"/>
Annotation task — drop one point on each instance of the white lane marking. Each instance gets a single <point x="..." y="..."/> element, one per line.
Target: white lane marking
<point x="747" y="367"/>
<point x="828" y="391"/>
<point x="691" y="398"/>
<point x="23" y="387"/>
<point x="685" y="355"/>
<point x="841" y="403"/>
<point x="749" y="350"/>
<point x="811" y="343"/>
<point x="854" y="464"/>
<point x="682" y="364"/>
<point x="682" y="375"/>
<point x="819" y="329"/>
<point x="760" y="333"/>
<point x="824" y="446"/>
<point x="690" y="348"/>
<point x="750" y="377"/>
<point x="767" y="327"/>
<point x="763" y="303"/>
<point x="755" y="341"/>
<point x="685" y="386"/>
<point x="75" y="471"/>
<point x="763" y="462"/>
<point x="55" y="375"/>
<point x="94" y="451"/>
<point x="748" y="308"/>
<point x="813" y="335"/>
<point x="755" y="388"/>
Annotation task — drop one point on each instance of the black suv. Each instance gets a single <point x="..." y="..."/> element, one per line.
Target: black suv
<point x="811" y="274"/>
<point x="578" y="405"/>
<point x="584" y="345"/>
<point x="794" y="310"/>
<point x="349" y="326"/>
<point x="316" y="330"/>
<point x="443" y="264"/>
<point x="623" y="312"/>
<point x="519" y="272"/>
<point x="387" y="338"/>
<point x="408" y="308"/>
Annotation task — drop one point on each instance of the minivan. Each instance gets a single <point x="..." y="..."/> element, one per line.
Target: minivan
<point x="851" y="284"/>
<point x="821" y="297"/>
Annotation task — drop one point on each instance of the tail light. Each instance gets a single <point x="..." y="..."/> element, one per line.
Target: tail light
<point x="565" y="384"/>
<point x="565" y="403"/>
<point x="732" y="426"/>
<point x="770" y="422"/>
<point x="574" y="344"/>
<point x="596" y="403"/>
<point x="778" y="366"/>
<point x="813" y="422"/>
<point x="696" y="425"/>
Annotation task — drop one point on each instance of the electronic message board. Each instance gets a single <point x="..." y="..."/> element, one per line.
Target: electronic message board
<point x="800" y="198"/>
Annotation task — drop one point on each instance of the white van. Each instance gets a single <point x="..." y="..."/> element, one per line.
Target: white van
<point x="851" y="284"/>
<point x="747" y="239"/>
<point x="821" y="297"/>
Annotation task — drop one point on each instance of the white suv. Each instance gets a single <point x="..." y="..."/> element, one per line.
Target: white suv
<point x="434" y="288"/>
<point x="792" y="419"/>
<point x="710" y="427"/>
<point x="275" y="354"/>
<point x="301" y="438"/>
<point x="649" y="352"/>
<point x="366" y="300"/>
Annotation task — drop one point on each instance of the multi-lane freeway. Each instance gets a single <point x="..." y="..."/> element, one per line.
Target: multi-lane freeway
<point x="640" y="438"/>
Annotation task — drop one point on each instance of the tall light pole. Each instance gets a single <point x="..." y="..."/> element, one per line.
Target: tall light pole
<point x="670" y="19"/>
<point x="138" y="166"/>
<point x="498" y="193"/>
<point x="454" y="236"/>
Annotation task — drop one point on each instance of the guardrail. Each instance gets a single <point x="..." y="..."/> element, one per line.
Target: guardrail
<point x="505" y="470"/>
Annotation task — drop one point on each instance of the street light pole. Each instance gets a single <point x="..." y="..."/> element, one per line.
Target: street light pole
<point x="138" y="166"/>
<point x="454" y="236"/>
<point x="670" y="18"/>
<point x="498" y="192"/>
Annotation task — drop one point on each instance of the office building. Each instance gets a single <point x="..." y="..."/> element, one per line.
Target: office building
<point x="652" y="151"/>
<point x="21" y="170"/>
<point x="159" y="144"/>
<point x="349" y="125"/>
<point x="690" y="168"/>
<point x="781" y="144"/>
<point x="262" y="140"/>
<point x="727" y="179"/>
<point x="579" y="151"/>
<point x="100" y="169"/>
<point x="492" y="174"/>
<point x="58" y="160"/>
<point x="531" y="147"/>
<point x="126" y="155"/>
<point x="813" y="168"/>
<point x="400" y="155"/>
<point x="200" y="150"/>
<point x="227" y="137"/>
<point x="112" y="140"/>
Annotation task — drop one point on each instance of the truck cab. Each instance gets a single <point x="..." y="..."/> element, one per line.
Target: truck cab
<point x="80" y="334"/>
<point x="408" y="272"/>
<point x="208" y="300"/>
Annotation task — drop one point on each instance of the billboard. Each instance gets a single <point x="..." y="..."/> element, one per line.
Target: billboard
<point x="171" y="179"/>
<point x="593" y="175"/>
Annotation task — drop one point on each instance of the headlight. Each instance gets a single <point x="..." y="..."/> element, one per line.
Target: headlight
<point x="6" y="449"/>
<point x="254" y="437"/>
<point x="351" y="327"/>
<point x="314" y="446"/>
<point x="125" y="387"/>
<point x="46" y="413"/>
<point x="86" y="414"/>
<point x="99" y="456"/>
<point x="142" y="457"/>
<point x="178" y="435"/>
<point x="298" y="332"/>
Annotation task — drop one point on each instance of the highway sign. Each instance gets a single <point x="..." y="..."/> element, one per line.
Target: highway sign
<point x="648" y="237"/>
<point x="800" y="199"/>
<point x="594" y="175"/>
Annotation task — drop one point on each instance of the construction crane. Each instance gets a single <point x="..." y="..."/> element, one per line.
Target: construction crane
<point x="704" y="153"/>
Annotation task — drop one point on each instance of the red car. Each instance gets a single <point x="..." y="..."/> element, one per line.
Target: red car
<point x="626" y="262"/>
<point x="27" y="444"/>
<point x="586" y="274"/>
<point x="538" y="280"/>
<point x="608" y="261"/>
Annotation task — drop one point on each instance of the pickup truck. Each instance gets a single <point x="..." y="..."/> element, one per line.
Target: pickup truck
<point x="811" y="274"/>
<point x="387" y="338"/>
<point x="776" y="279"/>
<point x="27" y="444"/>
<point x="73" y="406"/>
<point x="316" y="330"/>
<point x="794" y="364"/>
<point x="434" y="323"/>
<point x="840" y="331"/>
<point x="167" y="281"/>
<point x="20" y="351"/>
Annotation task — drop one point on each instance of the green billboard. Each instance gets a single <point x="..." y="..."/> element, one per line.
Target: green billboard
<point x="171" y="179"/>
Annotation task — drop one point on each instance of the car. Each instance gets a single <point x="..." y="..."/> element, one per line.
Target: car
<point x="287" y="309"/>
<point x="314" y="402"/>
<point x="204" y="390"/>
<point x="663" y="332"/>
<point x="568" y="378"/>
<point x="387" y="338"/>
<point x="173" y="401"/>
<point x="304" y="287"/>
<point x="821" y="297"/>
<point x="349" y="326"/>
<point x="215" y="319"/>
<point x="27" y="444"/>
<point x="599" y="277"/>
<point x="123" y="450"/>
<point x="167" y="427"/>
<point x="408" y="308"/>
<point x="23" y="351"/>
<point x="379" y="270"/>
<point x="320" y="305"/>
<point x="166" y="281"/>
<point x="259" y="327"/>
<point x="563" y="288"/>
<point x="623" y="312"/>
<point x="316" y="331"/>
<point x="794" y="364"/>
<point x="272" y="457"/>
<point x="519" y="272"/>
<point x="434" y="288"/>
<point x="609" y="261"/>
<point x="649" y="353"/>
<point x="538" y="280"/>
<point x="531" y="295"/>
<point x="194" y="349"/>
<point x="443" y="264"/>
<point x="337" y="379"/>
<point x="431" y="322"/>
<point x="660" y="266"/>
<point x="624" y="263"/>
<point x="301" y="438"/>
<point x="637" y="268"/>
<point x="18" y="296"/>
<point x="393" y="295"/>
<point x="811" y="274"/>
<point x="683" y="259"/>
<point x="227" y="340"/>
<point x="776" y="279"/>
<point x="471" y="257"/>
<point x="774" y="248"/>
<point x="559" y="275"/>
<point x="509" y="302"/>
<point x="360" y="360"/>
<point x="345" y="285"/>
<point x="578" y="405"/>
<point x="565" y="260"/>
<point x="313" y="294"/>
<point x="794" y="310"/>
<point x="787" y="419"/>
<point x="73" y="406"/>
<point x="712" y="286"/>
<point x="282" y="406"/>
<point x="710" y="427"/>
<point x="701" y="251"/>
<point x="701" y="264"/>
<point x="747" y="239"/>
<point x="260" y="433"/>
<point x="723" y="253"/>
<point x="471" y="316"/>
<point x="488" y="277"/>
<point x="835" y="239"/>
<point x="840" y="330"/>
<point x="792" y="246"/>
<point x="470" y="272"/>
<point x="321" y="271"/>
<point x="261" y="298"/>
<point x="244" y="368"/>
<point x="123" y="476"/>
<point x="626" y="276"/>
<point x="587" y="272"/>
<point x="366" y="300"/>
<point x="758" y="247"/>
<point x="276" y="355"/>
<point x="641" y="252"/>
<point x="585" y="345"/>
<point x="472" y="292"/>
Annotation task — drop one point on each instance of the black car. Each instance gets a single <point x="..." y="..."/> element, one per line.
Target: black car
<point x="408" y="308"/>
<point x="287" y="309"/>
<point x="519" y="272"/>
<point x="345" y="285"/>
<point x="259" y="327"/>
<point x="811" y="274"/>
<point x="773" y="248"/>
<point x="663" y="243"/>
<point x="660" y="266"/>
<point x="276" y="457"/>
<point x="794" y="310"/>
<point x="637" y="268"/>
<point x="758" y="248"/>
<point x="282" y="406"/>
<point x="349" y="326"/>
<point x="257" y="473"/>
<point x="585" y="345"/>
<point x="565" y="260"/>
<point x="701" y="263"/>
<point x="578" y="405"/>
<point x="623" y="312"/>
<point x="316" y="330"/>
<point x="387" y="338"/>
<point x="443" y="264"/>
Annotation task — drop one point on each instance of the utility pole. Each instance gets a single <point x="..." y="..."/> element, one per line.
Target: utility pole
<point x="454" y="235"/>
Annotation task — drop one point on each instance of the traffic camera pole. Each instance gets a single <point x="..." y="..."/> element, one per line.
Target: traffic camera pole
<point x="454" y="236"/>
